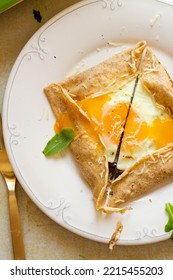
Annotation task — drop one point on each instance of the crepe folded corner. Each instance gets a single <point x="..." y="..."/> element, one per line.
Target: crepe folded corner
<point x="88" y="148"/>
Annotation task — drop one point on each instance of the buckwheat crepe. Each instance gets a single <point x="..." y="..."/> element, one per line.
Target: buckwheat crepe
<point x="88" y="147"/>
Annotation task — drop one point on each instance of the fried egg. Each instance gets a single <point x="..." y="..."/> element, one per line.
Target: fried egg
<point x="149" y="127"/>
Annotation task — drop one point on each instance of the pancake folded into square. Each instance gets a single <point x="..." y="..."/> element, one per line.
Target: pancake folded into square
<point x="95" y="104"/>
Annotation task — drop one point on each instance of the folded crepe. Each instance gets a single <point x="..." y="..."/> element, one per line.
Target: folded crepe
<point x="95" y="102"/>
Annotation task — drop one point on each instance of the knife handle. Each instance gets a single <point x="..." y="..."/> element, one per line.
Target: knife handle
<point x="16" y="229"/>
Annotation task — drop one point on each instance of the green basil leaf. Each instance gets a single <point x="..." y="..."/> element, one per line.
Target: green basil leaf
<point x="169" y="225"/>
<point x="59" y="142"/>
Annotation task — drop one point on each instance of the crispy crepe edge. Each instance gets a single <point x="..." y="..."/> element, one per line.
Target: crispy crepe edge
<point x="140" y="178"/>
<point x="157" y="81"/>
<point x="87" y="150"/>
<point x="112" y="72"/>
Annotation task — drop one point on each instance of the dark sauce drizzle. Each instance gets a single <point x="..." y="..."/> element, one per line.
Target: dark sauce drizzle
<point x="114" y="171"/>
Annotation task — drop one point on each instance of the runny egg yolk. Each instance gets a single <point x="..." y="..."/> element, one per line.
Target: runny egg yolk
<point x="63" y="121"/>
<point x="161" y="131"/>
<point x="108" y="120"/>
<point x="113" y="125"/>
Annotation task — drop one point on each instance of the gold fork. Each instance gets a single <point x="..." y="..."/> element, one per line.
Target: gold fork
<point x="10" y="179"/>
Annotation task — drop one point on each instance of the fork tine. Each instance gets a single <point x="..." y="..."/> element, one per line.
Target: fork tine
<point x="10" y="179"/>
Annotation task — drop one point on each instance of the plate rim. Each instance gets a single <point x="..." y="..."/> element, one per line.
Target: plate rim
<point x="22" y="182"/>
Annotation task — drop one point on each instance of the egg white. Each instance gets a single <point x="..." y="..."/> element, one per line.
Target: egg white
<point x="144" y="104"/>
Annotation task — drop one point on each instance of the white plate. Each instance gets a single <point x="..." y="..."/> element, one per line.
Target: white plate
<point x="74" y="40"/>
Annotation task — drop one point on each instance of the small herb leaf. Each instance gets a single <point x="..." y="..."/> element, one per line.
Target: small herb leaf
<point x="169" y="225"/>
<point x="59" y="142"/>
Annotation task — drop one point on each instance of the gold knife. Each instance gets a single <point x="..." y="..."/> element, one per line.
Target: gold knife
<point x="10" y="179"/>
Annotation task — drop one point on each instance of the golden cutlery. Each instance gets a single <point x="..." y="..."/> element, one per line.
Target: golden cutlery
<point x="10" y="179"/>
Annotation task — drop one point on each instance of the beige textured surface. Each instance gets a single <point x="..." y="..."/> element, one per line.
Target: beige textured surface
<point x="44" y="239"/>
